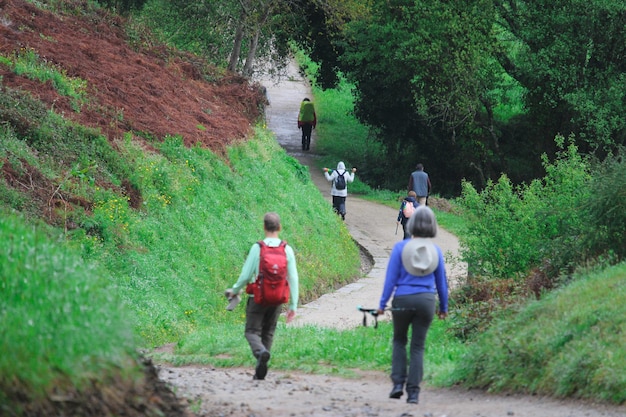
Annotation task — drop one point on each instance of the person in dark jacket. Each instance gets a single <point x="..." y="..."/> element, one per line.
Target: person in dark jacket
<point x="402" y="219"/>
<point x="419" y="181"/>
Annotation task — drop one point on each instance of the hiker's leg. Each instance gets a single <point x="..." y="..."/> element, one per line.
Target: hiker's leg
<point x="337" y="204"/>
<point x="407" y="234"/>
<point x="306" y="135"/>
<point x="401" y="321"/>
<point x="342" y="206"/>
<point x="424" y="305"/>
<point x="269" y="325"/>
<point x="254" y="326"/>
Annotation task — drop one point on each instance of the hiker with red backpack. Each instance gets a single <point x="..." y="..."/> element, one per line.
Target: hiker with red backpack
<point x="407" y="207"/>
<point x="339" y="190"/>
<point x="270" y="277"/>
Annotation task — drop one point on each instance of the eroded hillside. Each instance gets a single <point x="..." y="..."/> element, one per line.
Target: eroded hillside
<point x="147" y="89"/>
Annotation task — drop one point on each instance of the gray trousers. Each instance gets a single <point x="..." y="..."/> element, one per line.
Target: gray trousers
<point x="415" y="311"/>
<point x="260" y="326"/>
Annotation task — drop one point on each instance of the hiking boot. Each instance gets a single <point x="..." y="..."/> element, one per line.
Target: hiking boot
<point x="396" y="391"/>
<point x="412" y="397"/>
<point x="261" y="365"/>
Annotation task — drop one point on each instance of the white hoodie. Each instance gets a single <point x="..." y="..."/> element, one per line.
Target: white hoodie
<point x="349" y="176"/>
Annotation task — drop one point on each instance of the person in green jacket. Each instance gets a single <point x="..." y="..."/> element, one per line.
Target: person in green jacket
<point x="307" y="120"/>
<point x="261" y="320"/>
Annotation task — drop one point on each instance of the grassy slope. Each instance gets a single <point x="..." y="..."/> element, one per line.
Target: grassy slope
<point x="171" y="260"/>
<point x="569" y="344"/>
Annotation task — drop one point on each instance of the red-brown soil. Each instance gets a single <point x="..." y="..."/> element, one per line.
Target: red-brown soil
<point x="148" y="88"/>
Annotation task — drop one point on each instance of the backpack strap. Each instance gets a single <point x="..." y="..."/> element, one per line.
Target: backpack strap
<point x="262" y="243"/>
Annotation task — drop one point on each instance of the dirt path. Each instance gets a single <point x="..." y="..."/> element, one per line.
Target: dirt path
<point x="232" y="392"/>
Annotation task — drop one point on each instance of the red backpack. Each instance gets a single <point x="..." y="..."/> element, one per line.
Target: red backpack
<point x="271" y="287"/>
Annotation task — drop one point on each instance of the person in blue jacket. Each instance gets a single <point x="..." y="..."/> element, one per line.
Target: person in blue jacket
<point x="416" y="276"/>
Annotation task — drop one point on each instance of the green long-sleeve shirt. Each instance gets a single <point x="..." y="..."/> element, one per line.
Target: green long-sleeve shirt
<point x="250" y="270"/>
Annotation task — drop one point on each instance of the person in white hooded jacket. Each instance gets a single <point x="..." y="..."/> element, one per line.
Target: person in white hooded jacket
<point x="338" y="192"/>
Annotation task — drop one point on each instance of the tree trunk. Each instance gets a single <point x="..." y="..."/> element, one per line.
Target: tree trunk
<point x="234" y="55"/>
<point x="254" y="42"/>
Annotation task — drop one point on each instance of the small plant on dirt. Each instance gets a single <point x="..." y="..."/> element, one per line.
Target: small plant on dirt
<point x="28" y="63"/>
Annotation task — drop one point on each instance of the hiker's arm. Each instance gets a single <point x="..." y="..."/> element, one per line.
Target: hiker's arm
<point x="292" y="277"/>
<point x="410" y="187"/>
<point x="249" y="270"/>
<point x="441" y="282"/>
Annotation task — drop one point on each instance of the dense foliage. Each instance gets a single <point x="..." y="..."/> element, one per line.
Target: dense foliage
<point x="471" y="89"/>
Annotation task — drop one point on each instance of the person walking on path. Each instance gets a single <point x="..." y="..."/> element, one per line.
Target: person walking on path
<point x="407" y="207"/>
<point x="260" y="319"/>
<point x="339" y="191"/>
<point x="307" y="121"/>
<point x="419" y="181"/>
<point x="415" y="273"/>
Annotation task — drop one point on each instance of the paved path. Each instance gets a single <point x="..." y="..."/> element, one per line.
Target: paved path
<point x="372" y="225"/>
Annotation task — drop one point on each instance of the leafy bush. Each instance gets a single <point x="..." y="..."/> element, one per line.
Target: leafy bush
<point x="521" y="239"/>
<point x="605" y="210"/>
<point x="512" y="229"/>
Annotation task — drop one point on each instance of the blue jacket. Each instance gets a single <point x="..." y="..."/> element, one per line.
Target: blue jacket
<point x="398" y="281"/>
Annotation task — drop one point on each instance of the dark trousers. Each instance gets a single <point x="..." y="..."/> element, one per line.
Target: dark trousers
<point x="339" y="205"/>
<point x="307" y="128"/>
<point x="407" y="234"/>
<point x="415" y="311"/>
<point x="260" y="326"/>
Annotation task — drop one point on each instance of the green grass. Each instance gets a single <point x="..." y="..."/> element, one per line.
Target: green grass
<point x="27" y="62"/>
<point x="166" y="262"/>
<point x="63" y="321"/>
<point x="569" y="344"/>
<point x="76" y="302"/>
<point x="313" y="349"/>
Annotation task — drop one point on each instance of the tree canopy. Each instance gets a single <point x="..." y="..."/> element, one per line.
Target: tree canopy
<point x="471" y="89"/>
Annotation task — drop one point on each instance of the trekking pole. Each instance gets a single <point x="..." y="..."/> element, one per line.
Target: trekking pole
<point x="396" y="228"/>
<point x="372" y="311"/>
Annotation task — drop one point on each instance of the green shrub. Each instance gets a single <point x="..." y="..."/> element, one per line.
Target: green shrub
<point x="520" y="240"/>
<point x="605" y="208"/>
<point x="512" y="229"/>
